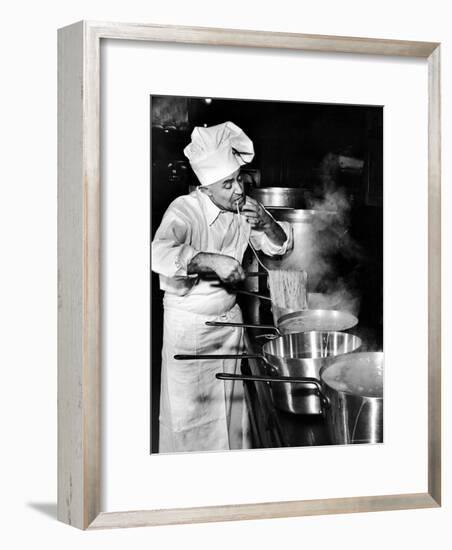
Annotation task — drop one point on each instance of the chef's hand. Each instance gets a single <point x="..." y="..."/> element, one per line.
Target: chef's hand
<point x="260" y="219"/>
<point x="228" y="269"/>
<point x="256" y="215"/>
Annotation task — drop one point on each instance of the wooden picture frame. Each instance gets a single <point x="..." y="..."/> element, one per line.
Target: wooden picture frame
<point x="79" y="432"/>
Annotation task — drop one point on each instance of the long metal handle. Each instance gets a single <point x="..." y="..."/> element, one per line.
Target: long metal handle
<point x="256" y="274"/>
<point x="215" y="356"/>
<point x="263" y="378"/>
<point x="212" y="274"/>
<point x="284" y="379"/>
<point x="247" y="325"/>
<point x="254" y="294"/>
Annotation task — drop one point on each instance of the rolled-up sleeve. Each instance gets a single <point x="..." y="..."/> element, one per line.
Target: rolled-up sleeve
<point x="171" y="254"/>
<point x="260" y="241"/>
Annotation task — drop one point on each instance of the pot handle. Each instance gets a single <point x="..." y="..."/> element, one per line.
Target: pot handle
<point x="267" y="336"/>
<point x="219" y="356"/>
<point x="282" y="379"/>
<point x="243" y="325"/>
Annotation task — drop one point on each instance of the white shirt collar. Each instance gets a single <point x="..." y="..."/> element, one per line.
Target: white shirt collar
<point x="211" y="209"/>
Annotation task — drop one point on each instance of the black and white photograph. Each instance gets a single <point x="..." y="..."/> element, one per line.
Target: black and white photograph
<point x="267" y="274"/>
<point x="226" y="284"/>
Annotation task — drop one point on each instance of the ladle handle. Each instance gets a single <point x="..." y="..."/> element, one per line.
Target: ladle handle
<point x="215" y="356"/>
<point x="247" y="325"/>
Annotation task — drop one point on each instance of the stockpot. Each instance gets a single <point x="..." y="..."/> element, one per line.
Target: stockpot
<point x="294" y="355"/>
<point x="353" y="387"/>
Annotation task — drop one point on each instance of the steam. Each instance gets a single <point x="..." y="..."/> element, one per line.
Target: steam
<point x="340" y="298"/>
<point x="332" y="245"/>
<point x="370" y="341"/>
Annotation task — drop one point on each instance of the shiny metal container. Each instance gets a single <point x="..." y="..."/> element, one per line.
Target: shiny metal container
<point x="293" y="363"/>
<point x="353" y="387"/>
<point x="303" y="355"/>
<point x="315" y="237"/>
<point x="350" y="394"/>
<point x="283" y="197"/>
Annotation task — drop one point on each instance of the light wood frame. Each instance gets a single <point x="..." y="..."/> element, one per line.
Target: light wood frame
<point x="79" y="273"/>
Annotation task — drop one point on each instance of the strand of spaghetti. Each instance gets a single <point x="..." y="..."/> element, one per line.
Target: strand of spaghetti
<point x="287" y="287"/>
<point x="251" y="245"/>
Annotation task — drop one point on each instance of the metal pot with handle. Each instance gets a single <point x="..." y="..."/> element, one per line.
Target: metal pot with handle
<point x="306" y="320"/>
<point x="353" y="386"/>
<point x="350" y="394"/>
<point x="296" y="355"/>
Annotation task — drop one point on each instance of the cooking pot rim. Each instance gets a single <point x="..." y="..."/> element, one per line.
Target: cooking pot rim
<point x="334" y="359"/>
<point x="302" y="335"/>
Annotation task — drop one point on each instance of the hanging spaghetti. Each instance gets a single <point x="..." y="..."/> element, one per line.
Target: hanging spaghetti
<point x="287" y="287"/>
<point x="287" y="291"/>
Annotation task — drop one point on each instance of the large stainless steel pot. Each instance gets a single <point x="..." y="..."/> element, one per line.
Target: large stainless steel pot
<point x="304" y="355"/>
<point x="353" y="387"/>
<point x="296" y="355"/>
<point x="280" y="197"/>
<point x="315" y="237"/>
<point x="350" y="393"/>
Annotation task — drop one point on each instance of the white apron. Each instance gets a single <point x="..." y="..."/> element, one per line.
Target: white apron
<point x="197" y="411"/>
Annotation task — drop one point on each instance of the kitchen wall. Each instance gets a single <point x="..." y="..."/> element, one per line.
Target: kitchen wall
<point x="296" y="144"/>
<point x="29" y="296"/>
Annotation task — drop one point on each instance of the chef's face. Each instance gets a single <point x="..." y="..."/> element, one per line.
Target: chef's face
<point x="228" y="193"/>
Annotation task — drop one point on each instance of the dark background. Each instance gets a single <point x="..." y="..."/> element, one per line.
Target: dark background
<point x="296" y="145"/>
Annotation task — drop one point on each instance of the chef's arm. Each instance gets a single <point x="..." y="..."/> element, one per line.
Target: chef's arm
<point x="226" y="268"/>
<point x="265" y="241"/>
<point x="274" y="232"/>
<point x="173" y="257"/>
<point x="170" y="252"/>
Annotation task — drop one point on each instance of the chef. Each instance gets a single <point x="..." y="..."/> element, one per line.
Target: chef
<point x="197" y="251"/>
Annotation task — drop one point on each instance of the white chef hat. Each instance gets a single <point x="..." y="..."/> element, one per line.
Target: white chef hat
<point x="218" y="151"/>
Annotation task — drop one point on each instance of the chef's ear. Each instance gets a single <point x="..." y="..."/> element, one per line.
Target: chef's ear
<point x="205" y="189"/>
